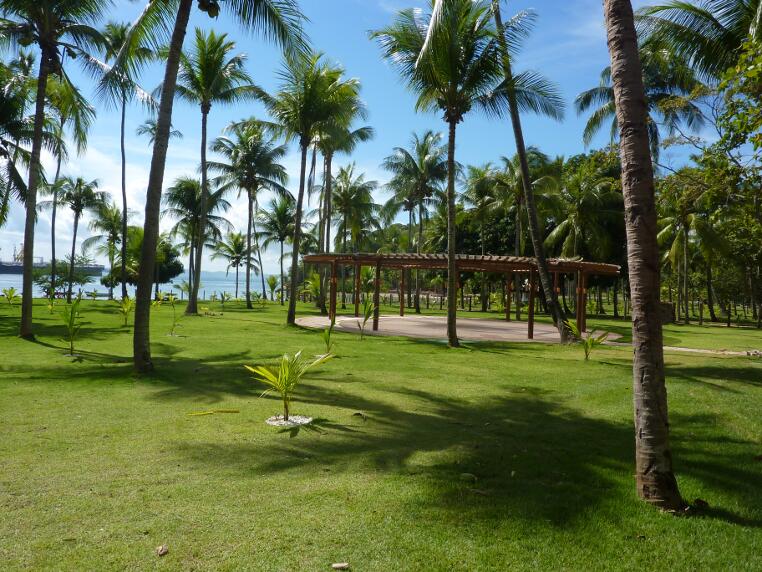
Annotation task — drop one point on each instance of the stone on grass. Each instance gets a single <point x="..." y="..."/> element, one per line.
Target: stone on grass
<point x="293" y="421"/>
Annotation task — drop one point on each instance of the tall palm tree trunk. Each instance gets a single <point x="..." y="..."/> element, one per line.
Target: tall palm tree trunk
<point x="282" y="290"/>
<point x="259" y="256"/>
<point x="71" y="260"/>
<point x="123" y="273"/>
<point x="417" y="270"/>
<point x="686" y="295"/>
<point x="53" y="229"/>
<point x="141" y="344"/>
<point x="517" y="251"/>
<point x="236" y="282"/>
<point x="710" y="293"/>
<point x="327" y="213"/>
<point x="248" y="249"/>
<point x="25" y="329"/>
<point x="452" y="279"/>
<point x="192" y="307"/>
<point x="291" y="317"/>
<point x="656" y="481"/>
<point x="534" y="228"/>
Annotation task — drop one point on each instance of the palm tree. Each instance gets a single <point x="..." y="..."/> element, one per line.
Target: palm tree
<point x="74" y="113"/>
<point x="479" y="192"/>
<point x="107" y="221"/>
<point x="277" y="225"/>
<point x="209" y="75"/>
<point x="313" y="97"/>
<point x="123" y="89"/>
<point x="449" y="57"/>
<point x="80" y="196"/>
<point x="541" y="97"/>
<point x="509" y="199"/>
<point x="656" y="481"/>
<point x="236" y="252"/>
<point x="669" y="84"/>
<point x="182" y="202"/>
<point x="355" y="209"/>
<point x="252" y="164"/>
<point x="57" y="29"/>
<point x="148" y="127"/>
<point x="417" y="176"/>
<point x="708" y="34"/>
<point x="587" y="204"/>
<point x="279" y="20"/>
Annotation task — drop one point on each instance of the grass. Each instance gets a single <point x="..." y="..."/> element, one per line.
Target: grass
<point x="99" y="467"/>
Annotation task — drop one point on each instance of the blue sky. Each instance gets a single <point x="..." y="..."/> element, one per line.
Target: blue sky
<point x="568" y="46"/>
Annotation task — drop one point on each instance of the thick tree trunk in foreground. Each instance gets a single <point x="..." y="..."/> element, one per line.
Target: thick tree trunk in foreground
<point x="452" y="278"/>
<point x="141" y="344"/>
<point x="656" y="481"/>
<point x="534" y="227"/>
<point x="291" y="318"/>
<point x="25" y="329"/>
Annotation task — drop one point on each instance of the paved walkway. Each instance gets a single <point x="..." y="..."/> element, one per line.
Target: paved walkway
<point x="435" y="327"/>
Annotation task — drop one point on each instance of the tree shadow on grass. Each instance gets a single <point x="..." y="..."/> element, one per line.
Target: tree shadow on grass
<point x="729" y="371"/>
<point x="522" y="455"/>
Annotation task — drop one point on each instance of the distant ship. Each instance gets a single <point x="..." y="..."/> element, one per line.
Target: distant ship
<point x="16" y="266"/>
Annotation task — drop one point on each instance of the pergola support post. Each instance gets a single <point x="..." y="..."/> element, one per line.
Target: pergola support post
<point x="376" y="295"/>
<point x="402" y="291"/>
<point x="358" y="270"/>
<point x="332" y="304"/>
<point x="508" y="291"/>
<point x="530" y="310"/>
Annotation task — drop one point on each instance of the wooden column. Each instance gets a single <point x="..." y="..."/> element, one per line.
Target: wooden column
<point x="332" y="303"/>
<point x="376" y="296"/>
<point x="402" y="291"/>
<point x="508" y="291"/>
<point x="358" y="270"/>
<point x="530" y="311"/>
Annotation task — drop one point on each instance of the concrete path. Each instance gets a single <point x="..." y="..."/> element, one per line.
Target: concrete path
<point x="435" y="327"/>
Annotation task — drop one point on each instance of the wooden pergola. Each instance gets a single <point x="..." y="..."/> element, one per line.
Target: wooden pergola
<point x="507" y="265"/>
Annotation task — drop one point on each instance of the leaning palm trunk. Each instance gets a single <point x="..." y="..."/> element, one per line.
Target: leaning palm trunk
<point x="452" y="279"/>
<point x="534" y="228"/>
<point x="192" y="307"/>
<point x="291" y="317"/>
<point x="141" y="339"/>
<point x="123" y="272"/>
<point x="25" y="330"/>
<point x="656" y="482"/>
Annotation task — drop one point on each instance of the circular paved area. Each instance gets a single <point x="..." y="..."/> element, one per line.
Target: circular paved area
<point x="435" y="327"/>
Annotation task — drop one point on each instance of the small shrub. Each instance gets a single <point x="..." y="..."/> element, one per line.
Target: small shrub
<point x="587" y="339"/>
<point x="367" y="314"/>
<point x="125" y="307"/>
<point x="286" y="377"/>
<point x="11" y="295"/>
<point x="327" y="334"/>
<point x="171" y="299"/>
<point x="71" y="319"/>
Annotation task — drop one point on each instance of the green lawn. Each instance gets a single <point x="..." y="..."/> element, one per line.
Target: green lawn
<point x="99" y="467"/>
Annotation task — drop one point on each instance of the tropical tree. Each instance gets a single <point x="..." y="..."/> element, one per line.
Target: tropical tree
<point x="107" y="223"/>
<point x="450" y="58"/>
<point x="210" y="75"/>
<point x="58" y="29"/>
<point x="235" y="251"/>
<point x="527" y="91"/>
<point x="277" y="225"/>
<point x="708" y="34"/>
<point x="121" y="88"/>
<point x="148" y="129"/>
<point x="656" y="481"/>
<point x="279" y="20"/>
<point x="73" y="116"/>
<point x="670" y="85"/>
<point x="355" y="210"/>
<point x="417" y="177"/>
<point x="182" y="202"/>
<point x="252" y="163"/>
<point x="313" y="97"/>
<point x="80" y="196"/>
